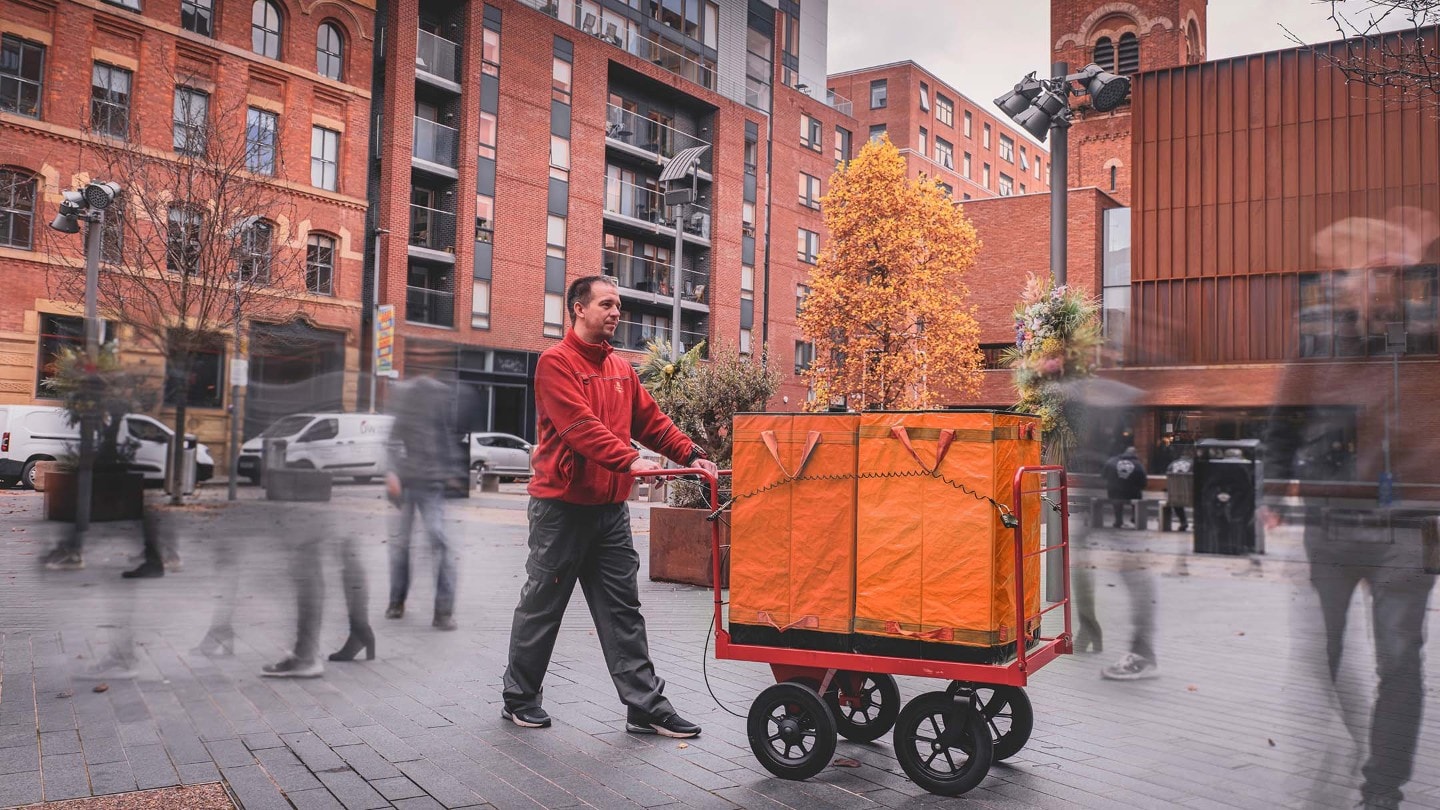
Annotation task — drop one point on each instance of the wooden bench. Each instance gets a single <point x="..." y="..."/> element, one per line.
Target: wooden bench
<point x="1141" y="511"/>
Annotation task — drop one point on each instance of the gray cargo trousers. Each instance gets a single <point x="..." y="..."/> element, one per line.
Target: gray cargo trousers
<point x="591" y="544"/>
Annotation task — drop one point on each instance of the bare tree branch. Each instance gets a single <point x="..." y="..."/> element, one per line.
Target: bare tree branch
<point x="1390" y="44"/>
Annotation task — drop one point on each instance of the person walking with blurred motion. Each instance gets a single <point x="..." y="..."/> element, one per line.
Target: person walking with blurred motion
<point x="1124" y="478"/>
<point x="425" y="457"/>
<point x="590" y="404"/>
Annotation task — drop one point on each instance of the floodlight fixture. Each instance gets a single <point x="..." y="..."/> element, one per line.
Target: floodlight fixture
<point x="1107" y="91"/>
<point x="72" y="207"/>
<point x="99" y="196"/>
<point x="1017" y="100"/>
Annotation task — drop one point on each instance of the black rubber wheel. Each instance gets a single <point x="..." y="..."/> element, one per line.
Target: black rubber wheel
<point x="27" y="475"/>
<point x="1007" y="712"/>
<point x="942" y="745"/>
<point x="865" y="705"/>
<point x="791" y="731"/>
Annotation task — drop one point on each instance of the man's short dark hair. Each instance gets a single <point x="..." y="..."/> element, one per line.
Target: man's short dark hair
<point x="579" y="292"/>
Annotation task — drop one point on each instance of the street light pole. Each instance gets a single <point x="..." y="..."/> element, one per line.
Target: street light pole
<point x="375" y="317"/>
<point x="238" y="369"/>
<point x="85" y="481"/>
<point x="1059" y="188"/>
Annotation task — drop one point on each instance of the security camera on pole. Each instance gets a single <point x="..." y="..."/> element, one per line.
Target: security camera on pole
<point x="1042" y="107"/>
<point x="89" y="205"/>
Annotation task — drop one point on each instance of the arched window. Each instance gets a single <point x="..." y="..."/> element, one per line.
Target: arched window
<point x="265" y="29"/>
<point x="1128" y="63"/>
<point x="1114" y="172"/>
<point x="17" y="208"/>
<point x="320" y="264"/>
<point x="255" y="252"/>
<point x="329" y="51"/>
<point x="1104" y="54"/>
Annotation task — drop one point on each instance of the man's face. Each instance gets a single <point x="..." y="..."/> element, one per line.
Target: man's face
<point x="596" y="321"/>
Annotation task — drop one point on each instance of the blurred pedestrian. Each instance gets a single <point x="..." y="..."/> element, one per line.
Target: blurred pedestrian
<point x="590" y="405"/>
<point x="1124" y="478"/>
<point x="425" y="458"/>
<point x="1177" y="477"/>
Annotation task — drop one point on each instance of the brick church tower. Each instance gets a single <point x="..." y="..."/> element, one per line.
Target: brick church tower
<point x="1125" y="38"/>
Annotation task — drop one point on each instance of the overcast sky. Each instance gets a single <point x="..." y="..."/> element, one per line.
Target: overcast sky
<point x="982" y="47"/>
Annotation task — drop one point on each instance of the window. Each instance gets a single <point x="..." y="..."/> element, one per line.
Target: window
<point x="59" y="332"/>
<point x="804" y="355"/>
<point x="17" y="209"/>
<point x="985" y="175"/>
<point x="810" y="132"/>
<point x="969" y="123"/>
<point x="490" y="52"/>
<point x="808" y="249"/>
<point x="1104" y="53"/>
<point x="985" y="140"/>
<point x="182" y="241"/>
<point x="924" y="96"/>
<point x="1038" y="174"/>
<point x="255" y="253"/>
<point x="809" y="191"/>
<point x="260" y="129"/>
<point x="1007" y="185"/>
<point x="1024" y="160"/>
<point x="265" y="29"/>
<point x="133" y="5"/>
<point x="329" y="51"/>
<point x="555" y="236"/>
<point x="924" y="147"/>
<point x="1114" y="172"/>
<point x="559" y="157"/>
<point x="878" y="93"/>
<point x="965" y="166"/>
<point x="945" y="110"/>
<point x="877" y="131"/>
<point x="320" y="264"/>
<point x="561" y="72"/>
<point x="324" y="158"/>
<point x="842" y="144"/>
<point x="944" y="153"/>
<point x="1022" y="188"/>
<point x="198" y="16"/>
<point x="947" y="188"/>
<point x="22" y="64"/>
<point x="752" y="157"/>
<point x="110" y="100"/>
<point x="320" y="431"/>
<point x="192" y="116"/>
<point x="1127" y="60"/>
<point x="1007" y="148"/>
<point x="802" y="291"/>
<point x="746" y="340"/>
<point x="993" y="355"/>
<point x="203" y="383"/>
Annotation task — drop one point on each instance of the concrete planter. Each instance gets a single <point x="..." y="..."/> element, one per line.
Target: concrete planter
<point x="115" y="495"/>
<point x="297" y="485"/>
<point x="680" y="548"/>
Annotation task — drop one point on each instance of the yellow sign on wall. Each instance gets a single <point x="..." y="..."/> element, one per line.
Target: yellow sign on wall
<point x="385" y="340"/>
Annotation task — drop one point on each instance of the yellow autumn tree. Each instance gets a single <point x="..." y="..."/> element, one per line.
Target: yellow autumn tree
<point x="888" y="310"/>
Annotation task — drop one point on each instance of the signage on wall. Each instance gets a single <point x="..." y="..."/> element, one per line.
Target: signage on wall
<point x="385" y="340"/>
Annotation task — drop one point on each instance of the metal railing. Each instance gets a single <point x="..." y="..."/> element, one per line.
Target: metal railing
<point x="648" y="204"/>
<point x="635" y="336"/>
<point x="650" y="276"/>
<point x="436" y="142"/>
<point x="647" y="134"/>
<point x="424" y="305"/>
<point x="437" y="56"/>
<point x="432" y="228"/>
<point x="839" y="102"/>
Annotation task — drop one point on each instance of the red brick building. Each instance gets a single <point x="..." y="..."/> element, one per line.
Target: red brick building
<point x="525" y="150"/>
<point x="77" y="72"/>
<point x="943" y="133"/>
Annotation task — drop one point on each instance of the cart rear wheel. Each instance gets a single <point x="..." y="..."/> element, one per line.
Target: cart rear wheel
<point x="941" y="743"/>
<point x="1007" y="712"/>
<point x="865" y="705"/>
<point x="791" y="731"/>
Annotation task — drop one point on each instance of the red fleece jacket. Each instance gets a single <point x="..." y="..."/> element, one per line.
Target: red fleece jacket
<point x="590" y="405"/>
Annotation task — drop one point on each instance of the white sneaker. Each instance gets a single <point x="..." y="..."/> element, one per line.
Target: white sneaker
<point x="293" y="667"/>
<point x="1132" y="667"/>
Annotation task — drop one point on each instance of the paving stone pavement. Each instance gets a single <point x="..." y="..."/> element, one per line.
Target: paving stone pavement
<point x="1236" y="720"/>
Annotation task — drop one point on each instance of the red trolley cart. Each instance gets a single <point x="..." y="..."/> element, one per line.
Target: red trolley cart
<point x="945" y="740"/>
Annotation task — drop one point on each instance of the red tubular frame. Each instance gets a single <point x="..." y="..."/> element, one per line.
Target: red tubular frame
<point x="821" y="664"/>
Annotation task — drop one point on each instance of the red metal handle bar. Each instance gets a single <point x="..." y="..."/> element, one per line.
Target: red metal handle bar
<point x="1020" y="556"/>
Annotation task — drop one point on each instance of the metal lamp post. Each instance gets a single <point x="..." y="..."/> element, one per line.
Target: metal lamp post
<point x="685" y="165"/>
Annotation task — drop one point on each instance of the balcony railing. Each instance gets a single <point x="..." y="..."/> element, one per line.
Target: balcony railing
<point x="424" y="305"/>
<point x="436" y="143"/>
<point x="635" y="336"/>
<point x="649" y="276"/>
<point x="432" y="228"/>
<point x="839" y="102"/>
<point x="648" y="204"/>
<point x="437" y="56"/>
<point x="647" y="134"/>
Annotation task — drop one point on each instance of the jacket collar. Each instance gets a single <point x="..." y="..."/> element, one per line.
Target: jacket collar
<point x="594" y="352"/>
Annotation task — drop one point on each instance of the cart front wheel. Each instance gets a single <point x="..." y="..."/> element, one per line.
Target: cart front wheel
<point x="942" y="743"/>
<point x="1007" y="712"/>
<point x="791" y="731"/>
<point x="865" y="705"/>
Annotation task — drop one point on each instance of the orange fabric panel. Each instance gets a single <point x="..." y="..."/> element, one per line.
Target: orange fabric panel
<point x="822" y="535"/>
<point x="759" y="526"/>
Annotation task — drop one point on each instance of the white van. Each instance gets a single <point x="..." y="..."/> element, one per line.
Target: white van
<point x="34" y="433"/>
<point x="347" y="444"/>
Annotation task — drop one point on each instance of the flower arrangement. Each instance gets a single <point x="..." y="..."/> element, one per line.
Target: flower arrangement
<point x="1057" y="335"/>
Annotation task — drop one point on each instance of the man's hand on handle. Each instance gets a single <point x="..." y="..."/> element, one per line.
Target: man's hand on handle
<point x="643" y="465"/>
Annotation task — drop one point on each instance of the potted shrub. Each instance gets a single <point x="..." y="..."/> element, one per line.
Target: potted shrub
<point x="702" y="397"/>
<point x="107" y="392"/>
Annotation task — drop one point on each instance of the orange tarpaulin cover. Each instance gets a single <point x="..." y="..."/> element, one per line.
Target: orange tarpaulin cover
<point x="843" y="525"/>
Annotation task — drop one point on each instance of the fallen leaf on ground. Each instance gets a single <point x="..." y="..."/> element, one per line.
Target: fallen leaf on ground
<point x="846" y="762"/>
<point x="1192" y="688"/>
<point x="683" y="745"/>
<point x="67" y="693"/>
<point x="1272" y="742"/>
<point x="102" y="687"/>
<point x="1240" y="633"/>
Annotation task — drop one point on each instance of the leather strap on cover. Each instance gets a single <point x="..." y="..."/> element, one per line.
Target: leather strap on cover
<point x="941" y="447"/>
<point x="773" y="445"/>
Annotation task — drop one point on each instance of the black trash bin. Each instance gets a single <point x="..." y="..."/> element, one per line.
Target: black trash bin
<point x="1229" y="486"/>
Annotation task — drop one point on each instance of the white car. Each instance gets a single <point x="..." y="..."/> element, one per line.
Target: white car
<point x="344" y="444"/>
<point x="500" y="454"/>
<point x="30" y="434"/>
